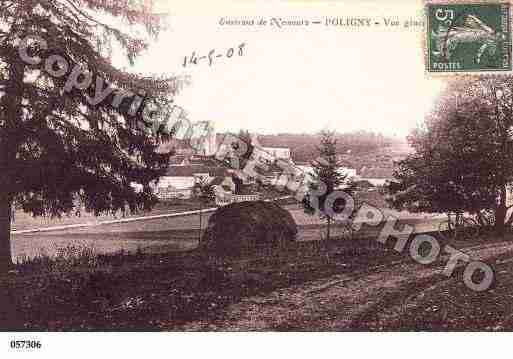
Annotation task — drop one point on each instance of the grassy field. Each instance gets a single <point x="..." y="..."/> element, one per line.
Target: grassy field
<point x="168" y="234"/>
<point x="24" y="221"/>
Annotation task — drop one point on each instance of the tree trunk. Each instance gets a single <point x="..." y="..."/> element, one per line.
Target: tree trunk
<point x="328" y="234"/>
<point x="200" y="215"/>
<point x="500" y="212"/>
<point x="480" y="219"/>
<point x="9" y="142"/>
<point x="5" y="234"/>
<point x="509" y="221"/>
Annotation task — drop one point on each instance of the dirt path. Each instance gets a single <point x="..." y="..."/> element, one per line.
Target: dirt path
<point x="359" y="301"/>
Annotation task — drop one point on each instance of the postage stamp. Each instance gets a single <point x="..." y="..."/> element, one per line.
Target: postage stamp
<point x="468" y="37"/>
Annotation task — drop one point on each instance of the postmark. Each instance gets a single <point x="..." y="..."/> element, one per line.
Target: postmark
<point x="470" y="37"/>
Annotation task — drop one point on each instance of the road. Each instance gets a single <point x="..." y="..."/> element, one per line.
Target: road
<point x="377" y="299"/>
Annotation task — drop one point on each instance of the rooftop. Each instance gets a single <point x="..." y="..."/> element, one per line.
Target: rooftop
<point x="190" y="170"/>
<point x="377" y="172"/>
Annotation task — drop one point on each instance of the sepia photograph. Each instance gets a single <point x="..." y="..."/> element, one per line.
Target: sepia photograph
<point x="256" y="170"/>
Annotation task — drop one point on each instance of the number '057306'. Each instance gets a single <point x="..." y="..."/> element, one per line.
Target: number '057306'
<point x="25" y="344"/>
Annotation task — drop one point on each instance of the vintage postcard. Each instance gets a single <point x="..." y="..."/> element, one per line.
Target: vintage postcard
<point x="243" y="166"/>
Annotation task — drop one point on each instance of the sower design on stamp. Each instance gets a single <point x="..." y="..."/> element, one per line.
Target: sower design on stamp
<point x="469" y="37"/>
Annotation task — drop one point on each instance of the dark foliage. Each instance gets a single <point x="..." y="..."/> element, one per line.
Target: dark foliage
<point x="463" y="160"/>
<point x="58" y="146"/>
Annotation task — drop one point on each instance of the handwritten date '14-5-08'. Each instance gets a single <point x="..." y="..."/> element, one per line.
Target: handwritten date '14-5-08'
<point x="213" y="55"/>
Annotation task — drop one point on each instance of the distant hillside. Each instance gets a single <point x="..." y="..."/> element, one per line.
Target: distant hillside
<point x="379" y="163"/>
<point x="372" y="155"/>
<point x="303" y="146"/>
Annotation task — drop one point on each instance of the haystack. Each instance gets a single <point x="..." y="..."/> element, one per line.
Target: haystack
<point x="247" y="227"/>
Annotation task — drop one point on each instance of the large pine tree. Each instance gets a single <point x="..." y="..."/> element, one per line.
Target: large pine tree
<point x="58" y="146"/>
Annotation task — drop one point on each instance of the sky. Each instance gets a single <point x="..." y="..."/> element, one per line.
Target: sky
<point x="298" y="79"/>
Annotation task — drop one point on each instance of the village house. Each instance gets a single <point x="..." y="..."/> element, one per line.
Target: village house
<point x="375" y="175"/>
<point x="188" y="167"/>
<point x="181" y="178"/>
<point x="227" y="191"/>
<point x="279" y="153"/>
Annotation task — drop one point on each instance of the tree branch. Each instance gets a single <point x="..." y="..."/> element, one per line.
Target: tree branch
<point x="90" y="18"/>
